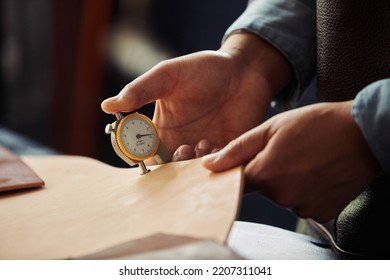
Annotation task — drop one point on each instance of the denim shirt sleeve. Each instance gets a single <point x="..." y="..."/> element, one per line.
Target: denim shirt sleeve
<point x="290" y="26"/>
<point x="371" y="111"/>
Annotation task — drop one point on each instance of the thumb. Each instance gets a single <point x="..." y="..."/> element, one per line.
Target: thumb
<point x="238" y="152"/>
<point x="155" y="84"/>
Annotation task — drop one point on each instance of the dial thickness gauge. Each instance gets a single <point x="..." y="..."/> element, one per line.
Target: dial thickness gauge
<point x="135" y="139"/>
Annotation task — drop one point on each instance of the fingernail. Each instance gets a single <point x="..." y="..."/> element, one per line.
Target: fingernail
<point x="209" y="159"/>
<point x="109" y="100"/>
<point x="176" y="153"/>
<point x="204" y="145"/>
<point x="113" y="98"/>
<point x="183" y="153"/>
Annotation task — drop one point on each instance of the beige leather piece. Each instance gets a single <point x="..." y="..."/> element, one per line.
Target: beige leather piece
<point x="87" y="206"/>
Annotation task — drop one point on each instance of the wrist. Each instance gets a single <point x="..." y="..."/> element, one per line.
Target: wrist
<point x="256" y="54"/>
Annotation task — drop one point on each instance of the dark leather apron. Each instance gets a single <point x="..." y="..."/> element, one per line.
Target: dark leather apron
<point x="354" y="51"/>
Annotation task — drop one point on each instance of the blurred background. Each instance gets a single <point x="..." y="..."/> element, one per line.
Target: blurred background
<point x="61" y="58"/>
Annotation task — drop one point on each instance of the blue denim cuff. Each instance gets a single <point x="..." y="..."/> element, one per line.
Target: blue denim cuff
<point x="371" y="111"/>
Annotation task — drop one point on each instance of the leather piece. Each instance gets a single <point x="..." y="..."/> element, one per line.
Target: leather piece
<point x="354" y="51"/>
<point x="353" y="46"/>
<point x="88" y="206"/>
<point x="15" y="174"/>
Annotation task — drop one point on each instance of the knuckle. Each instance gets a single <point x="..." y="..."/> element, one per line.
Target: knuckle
<point x="236" y="146"/>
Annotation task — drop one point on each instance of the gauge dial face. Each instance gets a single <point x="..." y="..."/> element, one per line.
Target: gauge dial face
<point x="137" y="137"/>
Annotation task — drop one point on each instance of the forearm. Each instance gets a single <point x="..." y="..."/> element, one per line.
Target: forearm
<point x="256" y="54"/>
<point x="290" y="26"/>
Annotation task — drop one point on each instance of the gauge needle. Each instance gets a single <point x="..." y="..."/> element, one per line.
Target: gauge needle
<point x="142" y="135"/>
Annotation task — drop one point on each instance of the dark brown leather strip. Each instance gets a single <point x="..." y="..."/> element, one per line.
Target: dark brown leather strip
<point x="15" y="174"/>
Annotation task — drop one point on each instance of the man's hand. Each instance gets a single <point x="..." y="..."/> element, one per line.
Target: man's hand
<point x="217" y="95"/>
<point x="313" y="160"/>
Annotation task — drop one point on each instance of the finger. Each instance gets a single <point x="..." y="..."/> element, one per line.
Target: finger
<point x="203" y="148"/>
<point x="237" y="152"/>
<point x="184" y="152"/>
<point x="151" y="86"/>
<point x="150" y="161"/>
